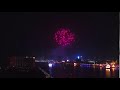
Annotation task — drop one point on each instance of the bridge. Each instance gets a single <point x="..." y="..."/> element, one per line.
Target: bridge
<point x="46" y="74"/>
<point x="91" y="62"/>
<point x="41" y="61"/>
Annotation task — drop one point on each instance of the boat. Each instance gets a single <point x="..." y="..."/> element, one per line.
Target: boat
<point x="107" y="66"/>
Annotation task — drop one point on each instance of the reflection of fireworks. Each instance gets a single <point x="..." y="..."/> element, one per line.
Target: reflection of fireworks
<point x="64" y="37"/>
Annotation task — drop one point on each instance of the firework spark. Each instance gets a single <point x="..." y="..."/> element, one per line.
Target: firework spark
<point x="64" y="37"/>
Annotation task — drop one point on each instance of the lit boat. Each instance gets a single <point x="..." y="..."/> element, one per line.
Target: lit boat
<point x="107" y="66"/>
<point x="113" y="66"/>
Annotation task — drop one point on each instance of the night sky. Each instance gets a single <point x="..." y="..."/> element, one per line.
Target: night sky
<point x="31" y="33"/>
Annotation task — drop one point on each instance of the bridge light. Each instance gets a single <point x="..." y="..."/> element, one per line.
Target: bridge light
<point x="50" y="64"/>
<point x="63" y="61"/>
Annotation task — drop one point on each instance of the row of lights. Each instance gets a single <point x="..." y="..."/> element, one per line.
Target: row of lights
<point x="50" y="64"/>
<point x="75" y="64"/>
<point x="30" y="57"/>
<point x="108" y="66"/>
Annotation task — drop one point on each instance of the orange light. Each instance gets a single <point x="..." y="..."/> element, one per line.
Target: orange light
<point x="108" y="73"/>
<point x="113" y="69"/>
<point x="113" y="66"/>
<point x="100" y="68"/>
<point x="100" y="65"/>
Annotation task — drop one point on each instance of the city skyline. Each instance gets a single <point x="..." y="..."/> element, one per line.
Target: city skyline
<point x="59" y="45"/>
<point x="31" y="33"/>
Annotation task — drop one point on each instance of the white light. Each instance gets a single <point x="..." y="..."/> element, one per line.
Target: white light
<point x="33" y="57"/>
<point x="81" y="56"/>
<point x="63" y="61"/>
<point x="67" y="60"/>
<point x="78" y="57"/>
<point x="107" y="66"/>
<point x="75" y="64"/>
<point x="50" y="64"/>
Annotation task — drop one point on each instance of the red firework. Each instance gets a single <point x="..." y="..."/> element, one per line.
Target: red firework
<point x="64" y="37"/>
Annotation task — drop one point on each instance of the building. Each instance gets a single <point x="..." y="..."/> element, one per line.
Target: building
<point x="22" y="62"/>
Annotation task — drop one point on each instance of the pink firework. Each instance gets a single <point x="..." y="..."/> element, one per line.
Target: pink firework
<point x="64" y="37"/>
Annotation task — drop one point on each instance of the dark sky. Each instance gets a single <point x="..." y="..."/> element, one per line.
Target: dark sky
<point x="31" y="33"/>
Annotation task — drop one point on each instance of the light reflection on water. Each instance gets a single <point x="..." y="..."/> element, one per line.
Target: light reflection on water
<point x="113" y="72"/>
<point x="94" y="66"/>
<point x="100" y="68"/>
<point x="108" y="73"/>
<point x="71" y="71"/>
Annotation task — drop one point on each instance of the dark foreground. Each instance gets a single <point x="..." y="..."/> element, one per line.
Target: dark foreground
<point x="62" y="71"/>
<point x="21" y="73"/>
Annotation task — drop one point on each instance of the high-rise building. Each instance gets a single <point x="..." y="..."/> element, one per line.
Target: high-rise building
<point x="21" y="62"/>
